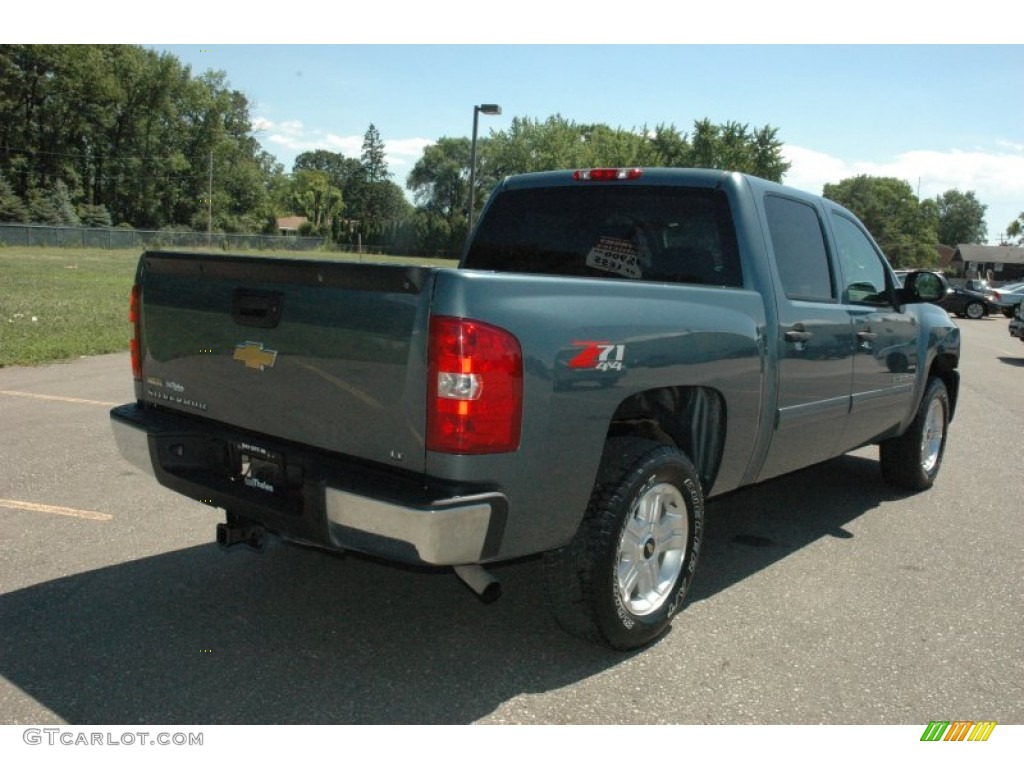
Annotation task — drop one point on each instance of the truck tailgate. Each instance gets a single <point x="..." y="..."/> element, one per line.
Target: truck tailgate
<point x="327" y="354"/>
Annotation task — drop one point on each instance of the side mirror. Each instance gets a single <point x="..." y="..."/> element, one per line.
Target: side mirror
<point x="920" y="287"/>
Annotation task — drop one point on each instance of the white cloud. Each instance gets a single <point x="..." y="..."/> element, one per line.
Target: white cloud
<point x="406" y="151"/>
<point x="288" y="127"/>
<point x="294" y="137"/>
<point x="349" y="146"/>
<point x="996" y="177"/>
<point x="811" y="170"/>
<point x="1011" y="145"/>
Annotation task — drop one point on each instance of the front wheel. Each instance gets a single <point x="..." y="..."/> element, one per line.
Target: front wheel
<point x="625" y="574"/>
<point x="912" y="460"/>
<point x="976" y="310"/>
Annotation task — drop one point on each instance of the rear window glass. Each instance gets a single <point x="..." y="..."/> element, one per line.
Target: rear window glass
<point x="669" y="234"/>
<point x="800" y="251"/>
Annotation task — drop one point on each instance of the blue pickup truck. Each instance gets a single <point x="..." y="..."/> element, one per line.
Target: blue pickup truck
<point x="615" y="347"/>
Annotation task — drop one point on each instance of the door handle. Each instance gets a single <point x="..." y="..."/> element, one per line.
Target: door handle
<point x="866" y="335"/>
<point x="798" y="336"/>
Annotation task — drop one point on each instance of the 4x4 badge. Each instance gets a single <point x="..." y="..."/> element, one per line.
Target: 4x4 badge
<point x="255" y="356"/>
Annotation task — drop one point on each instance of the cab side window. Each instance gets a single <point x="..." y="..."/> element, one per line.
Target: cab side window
<point x="800" y="252"/>
<point x="863" y="278"/>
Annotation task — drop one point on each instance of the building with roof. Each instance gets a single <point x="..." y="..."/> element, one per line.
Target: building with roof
<point x="289" y="225"/>
<point x="998" y="263"/>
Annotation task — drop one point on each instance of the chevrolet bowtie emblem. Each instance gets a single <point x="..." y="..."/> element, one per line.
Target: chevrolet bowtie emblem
<point x="255" y="356"/>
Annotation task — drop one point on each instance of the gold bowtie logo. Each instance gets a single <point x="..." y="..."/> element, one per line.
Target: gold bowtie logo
<point x="255" y="356"/>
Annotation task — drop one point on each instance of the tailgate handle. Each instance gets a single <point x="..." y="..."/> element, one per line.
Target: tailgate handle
<point x="257" y="309"/>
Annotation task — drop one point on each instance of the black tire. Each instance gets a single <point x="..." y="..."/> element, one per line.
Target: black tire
<point x="623" y="590"/>
<point x="1007" y="311"/>
<point x="912" y="461"/>
<point x="975" y="310"/>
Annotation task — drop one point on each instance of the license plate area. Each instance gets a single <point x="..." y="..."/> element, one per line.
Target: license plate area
<point x="260" y="469"/>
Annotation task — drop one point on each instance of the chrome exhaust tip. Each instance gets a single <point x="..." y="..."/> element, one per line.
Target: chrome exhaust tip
<point x="486" y="587"/>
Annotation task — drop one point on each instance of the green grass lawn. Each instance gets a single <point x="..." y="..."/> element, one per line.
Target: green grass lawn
<point x="61" y="303"/>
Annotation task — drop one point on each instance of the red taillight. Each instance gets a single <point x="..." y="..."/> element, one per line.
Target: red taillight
<point x="133" y="345"/>
<point x="474" y="388"/>
<point x="607" y="174"/>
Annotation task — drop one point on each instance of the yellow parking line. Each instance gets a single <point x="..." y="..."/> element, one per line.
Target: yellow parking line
<point x="84" y="514"/>
<point x="58" y="398"/>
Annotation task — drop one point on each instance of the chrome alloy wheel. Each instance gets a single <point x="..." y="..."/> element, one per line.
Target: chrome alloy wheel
<point x="975" y="311"/>
<point x="932" y="434"/>
<point x="652" y="549"/>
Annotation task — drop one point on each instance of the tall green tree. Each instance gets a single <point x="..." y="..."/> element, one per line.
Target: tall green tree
<point x="1015" y="229"/>
<point x="380" y="206"/>
<point x="317" y="198"/>
<point x="904" y="228"/>
<point x="345" y="174"/>
<point x="961" y="218"/>
<point x="374" y="156"/>
<point x="440" y="185"/>
<point x="133" y="131"/>
<point x="439" y="179"/>
<point x="666" y="147"/>
<point x="342" y="172"/>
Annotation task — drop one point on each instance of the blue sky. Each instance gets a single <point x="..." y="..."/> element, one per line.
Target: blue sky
<point x="940" y="105"/>
<point x="939" y="116"/>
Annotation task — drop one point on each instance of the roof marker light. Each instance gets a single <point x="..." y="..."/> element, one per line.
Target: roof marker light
<point x="607" y="174"/>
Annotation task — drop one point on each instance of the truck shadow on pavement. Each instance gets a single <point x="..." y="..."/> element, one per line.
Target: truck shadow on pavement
<point x="298" y="636"/>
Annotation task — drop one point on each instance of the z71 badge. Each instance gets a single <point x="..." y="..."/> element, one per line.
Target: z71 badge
<point x="599" y="356"/>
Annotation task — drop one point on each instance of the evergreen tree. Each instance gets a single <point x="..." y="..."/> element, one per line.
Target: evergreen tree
<point x="41" y="208"/>
<point x="12" y="208"/>
<point x="61" y="197"/>
<point x="373" y="157"/>
<point x="94" y="216"/>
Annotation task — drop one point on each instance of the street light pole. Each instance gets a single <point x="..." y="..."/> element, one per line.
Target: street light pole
<point x="487" y="109"/>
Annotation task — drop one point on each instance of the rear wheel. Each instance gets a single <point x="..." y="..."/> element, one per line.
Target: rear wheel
<point x="624" y="576"/>
<point x="912" y="460"/>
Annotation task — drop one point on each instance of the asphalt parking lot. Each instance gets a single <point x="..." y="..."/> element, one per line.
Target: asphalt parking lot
<point x="822" y="597"/>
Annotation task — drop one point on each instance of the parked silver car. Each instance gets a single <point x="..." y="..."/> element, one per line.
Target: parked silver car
<point x="1009" y="297"/>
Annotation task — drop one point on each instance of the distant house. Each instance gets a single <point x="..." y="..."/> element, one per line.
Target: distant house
<point x="289" y="225"/>
<point x="999" y="263"/>
<point x="945" y="255"/>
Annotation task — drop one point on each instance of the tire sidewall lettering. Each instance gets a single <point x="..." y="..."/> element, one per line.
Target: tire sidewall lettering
<point x="695" y="517"/>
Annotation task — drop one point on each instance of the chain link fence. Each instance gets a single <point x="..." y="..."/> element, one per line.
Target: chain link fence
<point x="118" y="237"/>
<point x="137" y="239"/>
